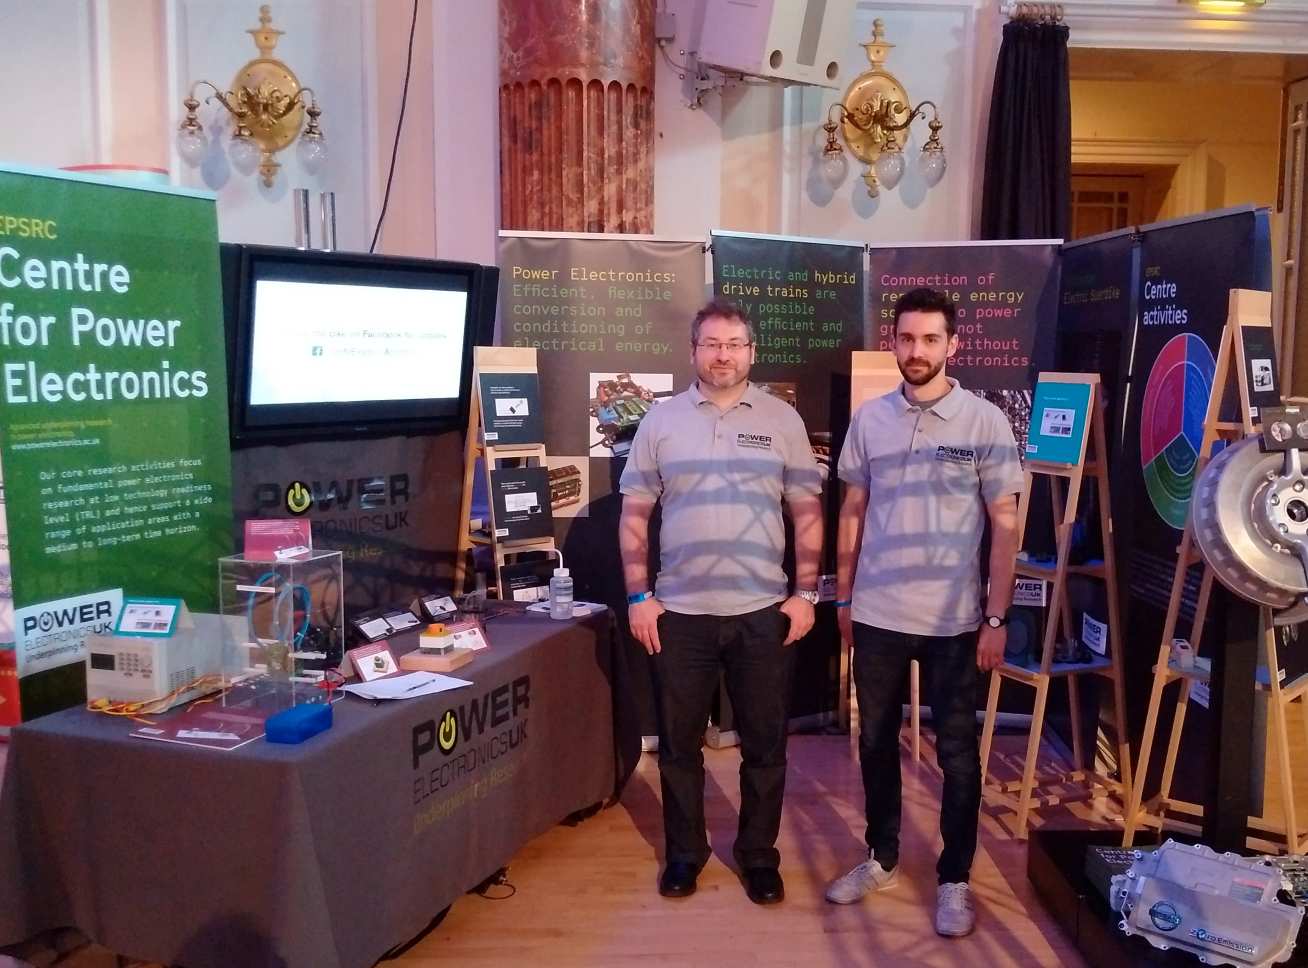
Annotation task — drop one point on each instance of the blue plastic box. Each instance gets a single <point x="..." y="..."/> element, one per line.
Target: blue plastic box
<point x="298" y="723"/>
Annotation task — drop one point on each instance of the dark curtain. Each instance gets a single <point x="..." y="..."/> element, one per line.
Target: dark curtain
<point x="1028" y="179"/>
<point x="1027" y="189"/>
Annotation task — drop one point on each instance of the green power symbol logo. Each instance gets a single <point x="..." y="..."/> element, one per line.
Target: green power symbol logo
<point x="448" y="733"/>
<point x="298" y="497"/>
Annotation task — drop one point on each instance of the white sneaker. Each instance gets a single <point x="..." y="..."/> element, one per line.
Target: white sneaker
<point x="954" y="914"/>
<point x="867" y="876"/>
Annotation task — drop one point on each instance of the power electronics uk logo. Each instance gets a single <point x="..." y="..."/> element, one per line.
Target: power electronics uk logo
<point x="376" y="504"/>
<point x="467" y="751"/>
<point x="955" y="455"/>
<point x="54" y="633"/>
<point x="298" y="498"/>
<point x="754" y="441"/>
<point x="447" y="734"/>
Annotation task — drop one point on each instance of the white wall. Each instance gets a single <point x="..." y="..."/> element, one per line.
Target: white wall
<point x="47" y="74"/>
<point x="466" y="147"/>
<point x="101" y="81"/>
<point x="744" y="161"/>
<point x="327" y="45"/>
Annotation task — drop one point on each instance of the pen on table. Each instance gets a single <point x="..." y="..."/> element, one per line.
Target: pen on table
<point x="418" y="685"/>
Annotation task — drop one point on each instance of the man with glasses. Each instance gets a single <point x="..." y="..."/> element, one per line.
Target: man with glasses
<point x="721" y="458"/>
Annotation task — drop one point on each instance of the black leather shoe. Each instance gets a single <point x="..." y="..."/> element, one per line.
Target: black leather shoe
<point x="763" y="885"/>
<point x="678" y="879"/>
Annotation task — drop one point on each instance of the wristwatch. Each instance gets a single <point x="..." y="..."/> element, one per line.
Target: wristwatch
<point x="810" y="597"/>
<point x="996" y="621"/>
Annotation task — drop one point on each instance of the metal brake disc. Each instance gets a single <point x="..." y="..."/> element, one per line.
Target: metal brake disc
<point x="1250" y="520"/>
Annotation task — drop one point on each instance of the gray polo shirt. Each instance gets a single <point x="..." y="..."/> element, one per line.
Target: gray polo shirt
<point x="721" y="477"/>
<point x="930" y="474"/>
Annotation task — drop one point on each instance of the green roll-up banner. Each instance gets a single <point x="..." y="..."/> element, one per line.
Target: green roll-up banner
<point x="114" y="452"/>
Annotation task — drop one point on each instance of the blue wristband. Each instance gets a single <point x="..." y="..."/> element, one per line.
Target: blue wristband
<point x="639" y="597"/>
<point x="845" y="604"/>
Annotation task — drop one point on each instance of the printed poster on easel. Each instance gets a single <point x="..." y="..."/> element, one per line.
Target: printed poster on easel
<point x="510" y="409"/>
<point x="1259" y="352"/>
<point x="1058" y="419"/>
<point x="521" y="499"/>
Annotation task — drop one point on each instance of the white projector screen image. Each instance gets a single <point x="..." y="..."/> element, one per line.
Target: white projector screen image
<point x="317" y="342"/>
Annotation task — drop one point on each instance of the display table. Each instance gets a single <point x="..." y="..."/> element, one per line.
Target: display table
<point x="324" y="854"/>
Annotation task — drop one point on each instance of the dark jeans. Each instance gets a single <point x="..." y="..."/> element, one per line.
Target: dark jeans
<point x="697" y="649"/>
<point x="881" y="661"/>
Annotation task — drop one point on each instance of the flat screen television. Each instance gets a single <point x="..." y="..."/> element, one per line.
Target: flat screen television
<point x="334" y="345"/>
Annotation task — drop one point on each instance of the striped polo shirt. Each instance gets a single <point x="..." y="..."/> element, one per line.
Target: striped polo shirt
<point x="929" y="474"/>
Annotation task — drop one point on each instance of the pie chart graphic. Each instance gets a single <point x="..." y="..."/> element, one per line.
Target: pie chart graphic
<point x="1172" y="424"/>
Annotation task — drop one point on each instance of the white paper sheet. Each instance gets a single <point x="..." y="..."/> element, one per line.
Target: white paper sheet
<point x="410" y="685"/>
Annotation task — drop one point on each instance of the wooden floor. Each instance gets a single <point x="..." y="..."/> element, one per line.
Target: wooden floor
<point x="586" y="895"/>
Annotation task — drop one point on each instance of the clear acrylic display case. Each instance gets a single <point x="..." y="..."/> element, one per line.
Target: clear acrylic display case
<point x="283" y="622"/>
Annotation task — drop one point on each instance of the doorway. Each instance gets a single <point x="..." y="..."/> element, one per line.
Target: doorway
<point x="1107" y="197"/>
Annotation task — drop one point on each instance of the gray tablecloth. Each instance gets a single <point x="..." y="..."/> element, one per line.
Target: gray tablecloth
<point x="324" y="854"/>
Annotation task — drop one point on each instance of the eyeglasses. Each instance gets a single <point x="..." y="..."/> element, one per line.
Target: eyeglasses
<point x="731" y="346"/>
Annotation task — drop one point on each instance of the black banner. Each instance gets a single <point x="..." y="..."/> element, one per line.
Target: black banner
<point x="805" y="300"/>
<point x="1187" y="270"/>
<point x="1006" y="296"/>
<point x="1186" y="273"/>
<point x="1095" y="317"/>
<point x="1007" y="299"/>
<point x="610" y="320"/>
<point x="389" y="505"/>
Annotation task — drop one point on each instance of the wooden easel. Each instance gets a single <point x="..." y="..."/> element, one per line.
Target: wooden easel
<point x="493" y="359"/>
<point x="1247" y="308"/>
<point x="1059" y="615"/>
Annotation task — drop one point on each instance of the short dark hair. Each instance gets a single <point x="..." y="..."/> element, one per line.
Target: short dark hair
<point x="723" y="309"/>
<point x="926" y="300"/>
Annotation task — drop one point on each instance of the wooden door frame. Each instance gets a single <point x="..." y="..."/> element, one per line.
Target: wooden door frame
<point x="1187" y="157"/>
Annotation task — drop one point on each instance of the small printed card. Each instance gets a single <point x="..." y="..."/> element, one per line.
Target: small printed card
<point x="372" y="628"/>
<point x="277" y="539"/>
<point x="400" y="619"/>
<point x="373" y="661"/>
<point x="149" y="616"/>
<point x="467" y="634"/>
<point x="436" y="607"/>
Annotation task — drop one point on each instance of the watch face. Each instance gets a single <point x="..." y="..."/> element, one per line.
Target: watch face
<point x="994" y="621"/>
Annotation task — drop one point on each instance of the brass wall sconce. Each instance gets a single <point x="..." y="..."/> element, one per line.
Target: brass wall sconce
<point x="874" y="117"/>
<point x="267" y="105"/>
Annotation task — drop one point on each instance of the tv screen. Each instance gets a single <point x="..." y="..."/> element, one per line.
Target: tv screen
<point x="340" y="345"/>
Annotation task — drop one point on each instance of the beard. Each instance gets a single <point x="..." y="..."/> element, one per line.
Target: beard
<point x="923" y="373"/>
<point x="725" y="378"/>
